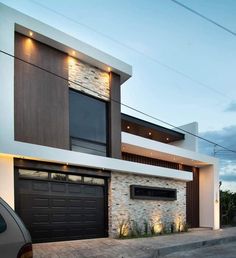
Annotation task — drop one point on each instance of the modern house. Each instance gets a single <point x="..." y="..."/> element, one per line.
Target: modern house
<point x="74" y="167"/>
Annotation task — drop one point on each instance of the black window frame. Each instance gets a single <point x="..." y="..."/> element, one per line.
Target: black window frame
<point x="107" y="136"/>
<point x="133" y="195"/>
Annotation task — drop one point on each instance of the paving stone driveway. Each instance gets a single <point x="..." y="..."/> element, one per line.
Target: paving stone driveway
<point x="114" y="248"/>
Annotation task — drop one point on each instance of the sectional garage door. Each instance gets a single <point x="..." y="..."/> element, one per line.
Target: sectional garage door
<point x="56" y="206"/>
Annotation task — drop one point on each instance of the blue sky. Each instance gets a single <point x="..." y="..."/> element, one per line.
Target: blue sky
<point x="174" y="37"/>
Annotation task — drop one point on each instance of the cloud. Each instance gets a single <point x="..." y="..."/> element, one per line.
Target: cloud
<point x="225" y="137"/>
<point x="231" y="107"/>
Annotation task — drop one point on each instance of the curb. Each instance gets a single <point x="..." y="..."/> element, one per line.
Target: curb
<point x="190" y="246"/>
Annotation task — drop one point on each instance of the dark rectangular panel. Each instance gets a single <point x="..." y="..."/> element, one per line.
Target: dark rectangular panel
<point x="192" y="200"/>
<point x="41" y="98"/>
<point x="115" y="116"/>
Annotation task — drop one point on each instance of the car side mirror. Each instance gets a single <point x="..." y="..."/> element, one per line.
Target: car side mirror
<point x="3" y="225"/>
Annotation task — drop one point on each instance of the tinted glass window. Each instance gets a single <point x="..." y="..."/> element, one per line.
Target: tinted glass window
<point x="58" y="176"/>
<point x="154" y="193"/>
<point x="88" y="147"/>
<point x="33" y="174"/>
<point x="3" y="225"/>
<point x="93" y="180"/>
<point x="87" y="117"/>
<point x="74" y="178"/>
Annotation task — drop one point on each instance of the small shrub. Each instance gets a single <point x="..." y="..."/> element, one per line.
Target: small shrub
<point x="123" y="228"/>
<point x="146" y="227"/>
<point x="136" y="230"/>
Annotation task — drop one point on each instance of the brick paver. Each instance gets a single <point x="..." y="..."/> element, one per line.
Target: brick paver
<point x="129" y="248"/>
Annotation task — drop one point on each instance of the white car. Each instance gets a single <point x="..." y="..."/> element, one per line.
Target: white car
<point x="15" y="240"/>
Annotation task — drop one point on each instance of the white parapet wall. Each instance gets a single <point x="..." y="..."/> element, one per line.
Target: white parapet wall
<point x="190" y="142"/>
<point x="7" y="180"/>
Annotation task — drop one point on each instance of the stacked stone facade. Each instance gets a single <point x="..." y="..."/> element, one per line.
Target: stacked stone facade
<point x="124" y="209"/>
<point x="88" y="79"/>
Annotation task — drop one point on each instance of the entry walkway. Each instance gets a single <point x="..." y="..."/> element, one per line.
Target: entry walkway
<point x="136" y="248"/>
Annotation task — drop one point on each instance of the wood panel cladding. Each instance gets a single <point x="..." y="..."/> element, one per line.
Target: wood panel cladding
<point x="192" y="200"/>
<point x="115" y="117"/>
<point x="149" y="161"/>
<point x="40" y="98"/>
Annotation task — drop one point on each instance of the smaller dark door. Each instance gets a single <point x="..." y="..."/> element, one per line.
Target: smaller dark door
<point x="192" y="200"/>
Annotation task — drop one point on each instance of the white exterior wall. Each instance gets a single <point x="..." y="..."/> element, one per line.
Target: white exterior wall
<point x="7" y="180"/>
<point x="190" y="142"/>
<point x="209" y="199"/>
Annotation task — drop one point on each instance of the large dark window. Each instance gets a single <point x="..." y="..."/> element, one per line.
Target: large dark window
<point x="152" y="193"/>
<point x="88" y="124"/>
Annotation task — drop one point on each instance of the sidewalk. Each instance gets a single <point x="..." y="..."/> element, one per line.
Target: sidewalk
<point x="136" y="248"/>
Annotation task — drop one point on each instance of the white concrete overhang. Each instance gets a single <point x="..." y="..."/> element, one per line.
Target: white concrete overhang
<point x="53" y="37"/>
<point x="48" y="154"/>
<point x="145" y="147"/>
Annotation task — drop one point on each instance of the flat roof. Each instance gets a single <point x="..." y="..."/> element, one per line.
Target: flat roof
<point x="64" y="42"/>
<point x="149" y="130"/>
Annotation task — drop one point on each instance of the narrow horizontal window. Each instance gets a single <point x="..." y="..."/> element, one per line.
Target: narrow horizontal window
<point x="33" y="174"/>
<point x="58" y="176"/>
<point x="152" y="193"/>
<point x="93" y="180"/>
<point x="88" y="147"/>
<point x="74" y="178"/>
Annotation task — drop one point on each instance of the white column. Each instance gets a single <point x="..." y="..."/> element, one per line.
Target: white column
<point x="7" y="180"/>
<point x="209" y="197"/>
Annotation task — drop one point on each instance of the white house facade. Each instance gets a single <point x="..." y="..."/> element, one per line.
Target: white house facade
<point x="71" y="164"/>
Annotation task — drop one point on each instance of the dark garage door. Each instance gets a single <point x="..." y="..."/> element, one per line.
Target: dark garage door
<point x="57" y="208"/>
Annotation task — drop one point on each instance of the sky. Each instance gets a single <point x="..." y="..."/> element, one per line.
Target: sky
<point x="183" y="66"/>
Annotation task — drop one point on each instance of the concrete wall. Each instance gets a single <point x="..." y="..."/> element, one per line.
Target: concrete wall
<point x="7" y="180"/>
<point x="209" y="203"/>
<point x="190" y="142"/>
<point x="122" y="208"/>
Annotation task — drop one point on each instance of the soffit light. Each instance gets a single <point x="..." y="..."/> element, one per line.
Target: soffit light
<point x="31" y="33"/>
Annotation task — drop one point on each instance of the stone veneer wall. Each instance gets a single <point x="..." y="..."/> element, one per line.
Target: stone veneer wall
<point x="122" y="208"/>
<point x="93" y="80"/>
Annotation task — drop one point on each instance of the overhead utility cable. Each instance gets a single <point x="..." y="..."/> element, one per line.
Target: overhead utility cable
<point x="204" y="17"/>
<point x="122" y="104"/>
<point x="155" y="60"/>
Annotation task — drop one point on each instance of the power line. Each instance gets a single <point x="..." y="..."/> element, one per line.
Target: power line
<point x="204" y="17"/>
<point x="125" y="105"/>
<point x="155" y="60"/>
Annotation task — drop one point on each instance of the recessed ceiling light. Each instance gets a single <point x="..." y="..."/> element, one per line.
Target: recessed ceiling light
<point x="31" y="33"/>
<point x="149" y="133"/>
<point x="167" y="139"/>
<point x="108" y="69"/>
<point x="73" y="53"/>
<point x="128" y="127"/>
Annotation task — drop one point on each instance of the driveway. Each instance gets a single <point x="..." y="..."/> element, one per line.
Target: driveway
<point x="135" y="248"/>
